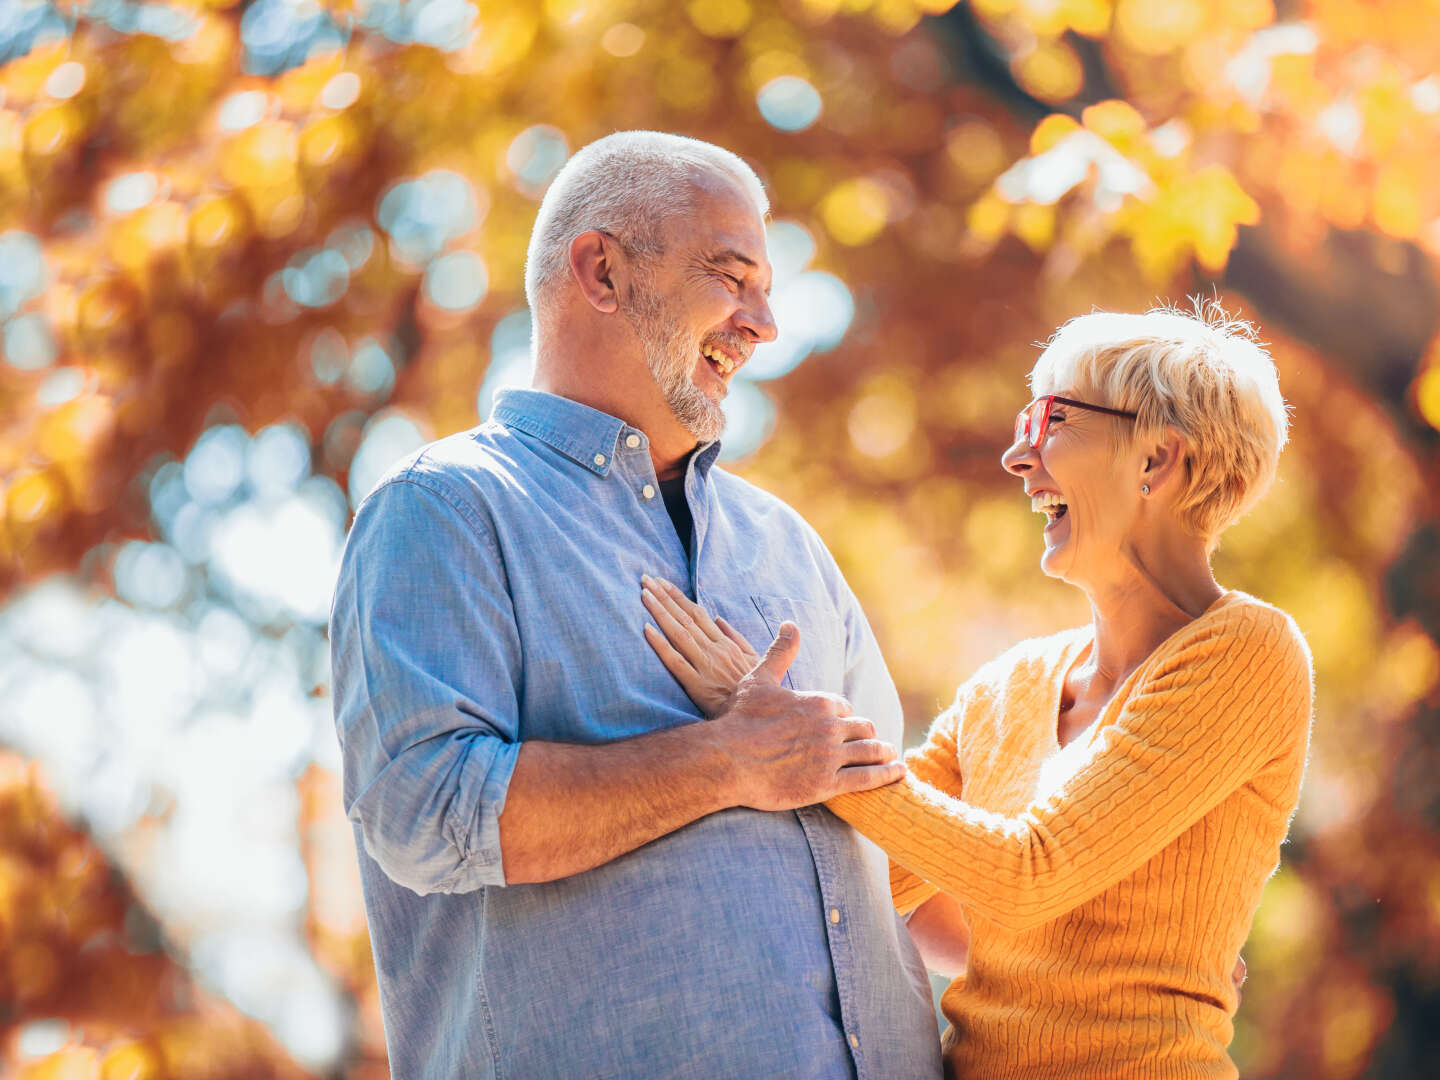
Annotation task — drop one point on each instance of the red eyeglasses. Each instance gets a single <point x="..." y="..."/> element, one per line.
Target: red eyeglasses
<point x="1033" y="422"/>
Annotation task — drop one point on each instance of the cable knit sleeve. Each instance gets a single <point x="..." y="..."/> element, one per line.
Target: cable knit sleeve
<point x="935" y="762"/>
<point x="1206" y="712"/>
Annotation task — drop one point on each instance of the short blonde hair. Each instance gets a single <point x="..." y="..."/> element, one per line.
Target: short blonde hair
<point x="1204" y="374"/>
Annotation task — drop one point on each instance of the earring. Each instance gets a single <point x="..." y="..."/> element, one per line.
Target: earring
<point x="1144" y="489"/>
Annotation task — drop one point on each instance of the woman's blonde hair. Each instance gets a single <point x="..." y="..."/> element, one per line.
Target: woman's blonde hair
<point x="1203" y="373"/>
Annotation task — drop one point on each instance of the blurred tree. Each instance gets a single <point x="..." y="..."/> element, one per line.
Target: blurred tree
<point x="314" y="215"/>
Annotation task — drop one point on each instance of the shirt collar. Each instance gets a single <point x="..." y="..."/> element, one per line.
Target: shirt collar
<point x="586" y="436"/>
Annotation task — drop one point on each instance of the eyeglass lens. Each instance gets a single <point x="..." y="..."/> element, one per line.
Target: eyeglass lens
<point x="1031" y="422"/>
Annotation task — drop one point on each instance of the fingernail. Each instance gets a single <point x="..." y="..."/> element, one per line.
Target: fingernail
<point x="646" y="579"/>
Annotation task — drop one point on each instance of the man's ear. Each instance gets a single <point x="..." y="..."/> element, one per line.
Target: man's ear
<point x="592" y="265"/>
<point x="1164" y="460"/>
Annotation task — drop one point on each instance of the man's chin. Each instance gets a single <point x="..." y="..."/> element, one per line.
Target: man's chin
<point x="707" y="426"/>
<point x="708" y="432"/>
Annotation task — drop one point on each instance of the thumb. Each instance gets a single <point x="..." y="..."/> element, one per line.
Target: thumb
<point x="779" y="656"/>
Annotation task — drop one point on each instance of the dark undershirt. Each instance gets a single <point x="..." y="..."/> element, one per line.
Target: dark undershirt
<point x="673" y="492"/>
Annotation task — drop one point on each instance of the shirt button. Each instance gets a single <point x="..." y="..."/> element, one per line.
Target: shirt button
<point x="855" y="1042"/>
<point x="648" y="491"/>
<point x="632" y="441"/>
<point x="834" y="914"/>
<point x="599" y="459"/>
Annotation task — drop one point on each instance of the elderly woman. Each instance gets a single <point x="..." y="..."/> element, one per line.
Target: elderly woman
<point x="1108" y="802"/>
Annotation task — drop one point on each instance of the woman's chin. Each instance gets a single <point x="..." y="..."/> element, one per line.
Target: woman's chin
<point x="1056" y="559"/>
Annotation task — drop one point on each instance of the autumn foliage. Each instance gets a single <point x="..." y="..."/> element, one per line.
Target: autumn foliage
<point x="232" y="218"/>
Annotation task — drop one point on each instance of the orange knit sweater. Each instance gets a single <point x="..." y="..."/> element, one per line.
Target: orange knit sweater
<point x="1109" y="885"/>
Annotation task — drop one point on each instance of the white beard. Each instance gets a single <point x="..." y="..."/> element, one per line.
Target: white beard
<point x="671" y="352"/>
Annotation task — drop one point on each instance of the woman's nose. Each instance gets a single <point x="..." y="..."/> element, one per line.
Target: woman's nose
<point x="1020" y="458"/>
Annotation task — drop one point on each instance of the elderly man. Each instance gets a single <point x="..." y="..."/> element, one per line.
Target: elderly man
<point x="565" y="874"/>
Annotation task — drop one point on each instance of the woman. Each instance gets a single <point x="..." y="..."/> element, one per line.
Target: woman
<point x="1106" y="803"/>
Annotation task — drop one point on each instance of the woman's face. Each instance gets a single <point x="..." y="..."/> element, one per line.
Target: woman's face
<point x="1089" y="494"/>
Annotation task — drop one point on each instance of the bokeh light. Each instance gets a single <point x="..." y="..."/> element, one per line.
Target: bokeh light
<point x="251" y="255"/>
<point x="789" y="103"/>
<point x="457" y="281"/>
<point x="423" y="215"/>
<point x="511" y="361"/>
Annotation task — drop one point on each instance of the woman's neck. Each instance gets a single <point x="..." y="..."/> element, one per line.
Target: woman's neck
<point x="1144" y="604"/>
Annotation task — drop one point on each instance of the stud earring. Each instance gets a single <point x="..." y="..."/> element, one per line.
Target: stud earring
<point x="1144" y="489"/>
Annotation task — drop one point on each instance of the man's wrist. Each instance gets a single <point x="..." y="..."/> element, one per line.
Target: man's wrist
<point x="718" y="772"/>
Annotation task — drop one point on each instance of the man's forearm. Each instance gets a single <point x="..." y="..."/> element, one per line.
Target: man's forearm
<point x="570" y="808"/>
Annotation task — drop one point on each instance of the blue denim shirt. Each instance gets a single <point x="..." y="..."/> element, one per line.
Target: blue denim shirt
<point x="489" y="594"/>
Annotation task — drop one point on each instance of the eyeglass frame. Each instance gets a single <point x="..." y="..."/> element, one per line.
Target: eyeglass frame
<point x="1037" y="440"/>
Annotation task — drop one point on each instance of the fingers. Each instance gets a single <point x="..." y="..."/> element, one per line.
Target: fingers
<point x="737" y="637"/>
<point x="689" y="615"/>
<point x="865" y="777"/>
<point x="676" y="664"/>
<point x="698" y="615"/>
<point x="868" y="752"/>
<point x="855" y="728"/>
<point x="779" y="656"/>
<point x="681" y="636"/>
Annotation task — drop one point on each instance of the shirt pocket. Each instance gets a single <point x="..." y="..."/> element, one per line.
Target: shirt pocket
<point x="820" y="664"/>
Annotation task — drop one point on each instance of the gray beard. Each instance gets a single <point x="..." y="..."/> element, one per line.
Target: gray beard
<point x="670" y="353"/>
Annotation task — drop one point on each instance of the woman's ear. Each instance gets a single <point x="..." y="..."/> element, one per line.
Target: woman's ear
<point x="1163" y="461"/>
<point x="592" y="265"/>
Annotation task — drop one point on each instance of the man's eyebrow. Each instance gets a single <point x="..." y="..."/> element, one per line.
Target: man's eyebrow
<point x="731" y="255"/>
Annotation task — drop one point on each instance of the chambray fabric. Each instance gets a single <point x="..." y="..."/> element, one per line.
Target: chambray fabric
<point x="489" y="594"/>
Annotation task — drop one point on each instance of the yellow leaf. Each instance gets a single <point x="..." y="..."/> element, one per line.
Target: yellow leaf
<point x="1427" y="396"/>
<point x="1050" y="131"/>
<point x="1034" y="223"/>
<point x="1051" y="71"/>
<point x="855" y="211"/>
<point x="1386" y="112"/>
<point x="1396" y="203"/>
<point x="1157" y="28"/>
<point x="988" y="217"/>
<point x="1243" y="14"/>
<point x="1215" y="204"/>
<point x="720" y="18"/>
<point x="1116" y="121"/>
<point x="1090" y="18"/>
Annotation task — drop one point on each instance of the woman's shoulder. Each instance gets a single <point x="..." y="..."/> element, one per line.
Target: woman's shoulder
<point x="1241" y="646"/>
<point x="1239" y="621"/>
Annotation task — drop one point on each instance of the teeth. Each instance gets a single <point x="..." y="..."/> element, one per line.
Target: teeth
<point x="722" y="361"/>
<point x="1047" y="503"/>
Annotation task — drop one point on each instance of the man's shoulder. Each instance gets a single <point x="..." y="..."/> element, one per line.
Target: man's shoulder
<point x="479" y="462"/>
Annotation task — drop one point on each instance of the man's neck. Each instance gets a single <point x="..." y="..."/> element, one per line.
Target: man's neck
<point x="641" y="406"/>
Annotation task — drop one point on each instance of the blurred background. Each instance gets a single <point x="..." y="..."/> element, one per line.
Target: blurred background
<point x="252" y="252"/>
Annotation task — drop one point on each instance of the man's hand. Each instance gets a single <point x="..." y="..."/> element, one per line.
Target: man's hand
<point x="789" y="749"/>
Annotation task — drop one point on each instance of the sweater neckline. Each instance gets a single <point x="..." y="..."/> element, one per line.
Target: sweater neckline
<point x="1082" y="638"/>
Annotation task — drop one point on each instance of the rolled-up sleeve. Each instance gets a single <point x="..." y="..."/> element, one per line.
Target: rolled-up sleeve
<point x="426" y="665"/>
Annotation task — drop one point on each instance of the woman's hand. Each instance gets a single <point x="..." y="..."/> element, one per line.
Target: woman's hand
<point x="708" y="657"/>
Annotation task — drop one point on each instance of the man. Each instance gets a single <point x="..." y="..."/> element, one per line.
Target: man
<point x="564" y="873"/>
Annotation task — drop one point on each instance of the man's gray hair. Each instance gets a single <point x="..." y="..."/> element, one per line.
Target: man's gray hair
<point x="627" y="184"/>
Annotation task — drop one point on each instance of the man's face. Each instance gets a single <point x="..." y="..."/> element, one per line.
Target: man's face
<point x="700" y="308"/>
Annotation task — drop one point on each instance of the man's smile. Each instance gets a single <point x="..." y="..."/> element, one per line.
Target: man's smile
<point x="723" y="360"/>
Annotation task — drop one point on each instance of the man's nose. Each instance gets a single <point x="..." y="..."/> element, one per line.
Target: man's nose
<point x="757" y="320"/>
